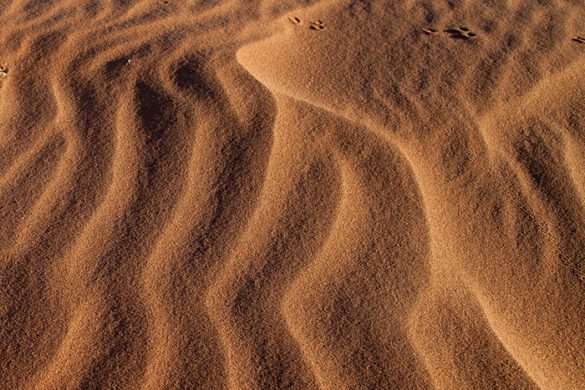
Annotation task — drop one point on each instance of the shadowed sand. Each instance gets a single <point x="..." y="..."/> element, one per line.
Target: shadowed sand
<point x="355" y="194"/>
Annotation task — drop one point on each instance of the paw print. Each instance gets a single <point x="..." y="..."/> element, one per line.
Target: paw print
<point x="579" y="39"/>
<point x="429" y="31"/>
<point x="461" y="33"/>
<point x="317" y="25"/>
<point x="295" y="20"/>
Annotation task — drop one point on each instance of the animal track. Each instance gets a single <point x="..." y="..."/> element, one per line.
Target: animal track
<point x="579" y="39"/>
<point x="295" y="20"/>
<point x="455" y="33"/>
<point x="460" y="33"/>
<point x="317" y="25"/>
<point x="313" y="25"/>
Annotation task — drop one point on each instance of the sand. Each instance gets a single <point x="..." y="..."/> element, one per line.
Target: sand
<point x="292" y="194"/>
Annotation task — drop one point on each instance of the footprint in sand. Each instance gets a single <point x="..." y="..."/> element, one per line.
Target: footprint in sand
<point x="579" y="39"/>
<point x="317" y="25"/>
<point x="460" y="33"/>
<point x="295" y="20"/>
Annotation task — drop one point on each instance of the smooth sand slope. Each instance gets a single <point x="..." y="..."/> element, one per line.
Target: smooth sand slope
<point x="248" y="194"/>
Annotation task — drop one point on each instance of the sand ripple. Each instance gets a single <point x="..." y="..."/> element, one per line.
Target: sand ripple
<point x="292" y="194"/>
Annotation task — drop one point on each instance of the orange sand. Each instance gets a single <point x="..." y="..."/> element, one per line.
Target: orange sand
<point x="292" y="194"/>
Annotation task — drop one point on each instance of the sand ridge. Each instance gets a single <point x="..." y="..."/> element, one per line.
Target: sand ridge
<point x="292" y="194"/>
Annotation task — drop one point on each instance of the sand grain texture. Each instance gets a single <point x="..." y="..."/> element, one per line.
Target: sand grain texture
<point x="264" y="194"/>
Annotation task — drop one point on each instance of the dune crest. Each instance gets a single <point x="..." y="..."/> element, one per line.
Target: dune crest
<point x="292" y="194"/>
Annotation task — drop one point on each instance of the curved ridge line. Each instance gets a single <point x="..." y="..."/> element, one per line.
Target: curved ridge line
<point x="370" y="124"/>
<point x="187" y="197"/>
<point x="56" y="373"/>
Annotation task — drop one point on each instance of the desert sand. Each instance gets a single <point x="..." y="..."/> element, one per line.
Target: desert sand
<point x="292" y="194"/>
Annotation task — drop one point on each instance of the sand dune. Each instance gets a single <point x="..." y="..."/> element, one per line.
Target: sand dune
<point x="266" y="194"/>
